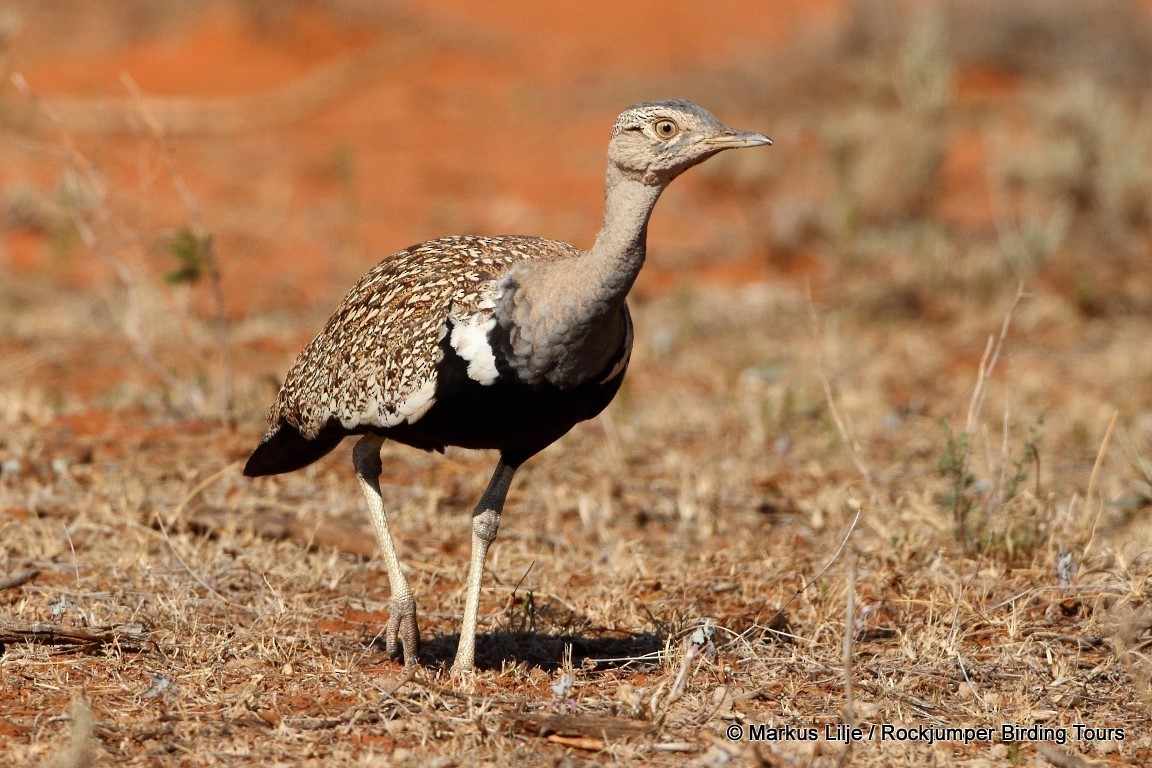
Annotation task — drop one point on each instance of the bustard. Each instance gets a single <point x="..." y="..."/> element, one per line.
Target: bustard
<point x="485" y="342"/>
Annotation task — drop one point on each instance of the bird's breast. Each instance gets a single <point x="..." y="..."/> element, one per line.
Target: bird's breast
<point x="549" y="348"/>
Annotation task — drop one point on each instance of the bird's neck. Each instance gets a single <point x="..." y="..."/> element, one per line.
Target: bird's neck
<point x="618" y="253"/>
<point x="566" y="319"/>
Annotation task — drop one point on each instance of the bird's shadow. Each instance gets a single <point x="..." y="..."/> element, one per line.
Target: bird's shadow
<point x="548" y="651"/>
<point x="540" y="635"/>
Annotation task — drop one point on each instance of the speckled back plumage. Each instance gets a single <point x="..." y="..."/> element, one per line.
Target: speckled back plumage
<point x="374" y="363"/>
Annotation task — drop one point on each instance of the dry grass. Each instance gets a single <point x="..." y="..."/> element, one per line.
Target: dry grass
<point x="718" y="497"/>
<point x="792" y="498"/>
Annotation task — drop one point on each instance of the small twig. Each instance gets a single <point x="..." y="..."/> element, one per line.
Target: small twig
<point x="672" y="746"/>
<point x="846" y="645"/>
<point x="179" y="559"/>
<point x="357" y="715"/>
<point x="820" y="574"/>
<point x="988" y="360"/>
<point x="408" y="676"/>
<point x="968" y="680"/>
<point x="204" y="484"/>
<point x="516" y="588"/>
<point x="848" y="714"/>
<point x="681" y="682"/>
<point x="75" y="563"/>
<point x="1082" y="641"/>
<point x="1092" y="483"/>
<point x="19" y="579"/>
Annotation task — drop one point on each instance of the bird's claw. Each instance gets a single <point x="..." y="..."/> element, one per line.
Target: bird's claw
<point x="402" y="627"/>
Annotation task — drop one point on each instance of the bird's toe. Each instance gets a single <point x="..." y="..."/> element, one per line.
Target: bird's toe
<point x="401" y="633"/>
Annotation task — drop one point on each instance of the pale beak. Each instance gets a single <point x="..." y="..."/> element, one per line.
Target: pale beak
<point x="733" y="139"/>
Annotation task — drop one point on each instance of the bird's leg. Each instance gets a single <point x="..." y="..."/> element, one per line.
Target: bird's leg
<point x="485" y="522"/>
<point x="402" y="622"/>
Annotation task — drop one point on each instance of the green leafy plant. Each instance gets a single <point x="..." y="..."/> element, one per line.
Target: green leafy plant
<point x="193" y="252"/>
<point x="952" y="465"/>
<point x="987" y="515"/>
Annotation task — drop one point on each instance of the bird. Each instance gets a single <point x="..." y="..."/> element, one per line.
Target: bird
<point x="500" y="343"/>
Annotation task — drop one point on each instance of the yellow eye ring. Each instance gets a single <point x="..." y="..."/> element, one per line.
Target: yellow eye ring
<point x="665" y="129"/>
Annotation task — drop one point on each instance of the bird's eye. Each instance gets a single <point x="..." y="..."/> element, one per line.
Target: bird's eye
<point x="666" y="129"/>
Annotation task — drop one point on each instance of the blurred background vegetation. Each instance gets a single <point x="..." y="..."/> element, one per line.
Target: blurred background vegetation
<point x="929" y="303"/>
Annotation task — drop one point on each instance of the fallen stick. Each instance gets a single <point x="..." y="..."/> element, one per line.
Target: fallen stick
<point x="577" y="726"/>
<point x="53" y="634"/>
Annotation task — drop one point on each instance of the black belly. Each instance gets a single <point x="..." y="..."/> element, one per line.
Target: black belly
<point x="507" y="415"/>
<point x="511" y="417"/>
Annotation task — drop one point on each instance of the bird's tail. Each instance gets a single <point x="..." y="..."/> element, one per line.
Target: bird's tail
<point x="284" y="449"/>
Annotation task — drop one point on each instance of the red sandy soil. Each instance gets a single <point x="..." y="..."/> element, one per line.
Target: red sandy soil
<point x="468" y="125"/>
<point x="471" y="121"/>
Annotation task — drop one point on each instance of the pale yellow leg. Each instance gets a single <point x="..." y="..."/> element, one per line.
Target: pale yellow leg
<point x="402" y="622"/>
<point x="485" y="522"/>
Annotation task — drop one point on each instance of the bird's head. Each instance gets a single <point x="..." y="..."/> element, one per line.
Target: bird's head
<point x="656" y="141"/>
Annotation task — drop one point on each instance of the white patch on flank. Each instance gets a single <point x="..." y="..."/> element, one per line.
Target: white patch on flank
<point x="470" y="340"/>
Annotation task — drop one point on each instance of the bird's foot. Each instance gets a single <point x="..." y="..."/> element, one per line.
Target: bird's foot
<point x="402" y="627"/>
<point x="464" y="664"/>
<point x="462" y="673"/>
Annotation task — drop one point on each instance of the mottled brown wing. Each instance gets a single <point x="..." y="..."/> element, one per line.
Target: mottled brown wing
<point x="374" y="363"/>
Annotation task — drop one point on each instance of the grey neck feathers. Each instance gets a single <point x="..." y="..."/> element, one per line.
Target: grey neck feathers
<point x="619" y="250"/>
<point x="566" y="319"/>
